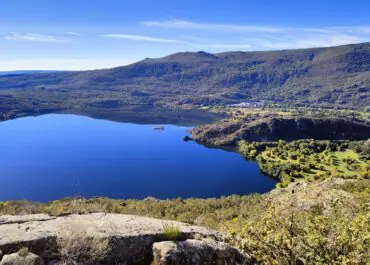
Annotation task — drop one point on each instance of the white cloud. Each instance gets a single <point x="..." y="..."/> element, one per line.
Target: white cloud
<point x="74" y="33"/>
<point x="184" y="24"/>
<point x="142" y="38"/>
<point x="14" y="36"/>
<point x="353" y="29"/>
<point x="62" y="63"/>
<point x="206" y="44"/>
<point x="254" y="37"/>
<point x="302" y="41"/>
<point x="192" y="36"/>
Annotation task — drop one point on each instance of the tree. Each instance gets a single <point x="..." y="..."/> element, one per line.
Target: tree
<point x="253" y="153"/>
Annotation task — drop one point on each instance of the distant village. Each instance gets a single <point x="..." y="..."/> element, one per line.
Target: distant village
<point x="248" y="104"/>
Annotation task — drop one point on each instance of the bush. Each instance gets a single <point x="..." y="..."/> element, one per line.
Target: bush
<point x="171" y="232"/>
<point x="297" y="238"/>
<point x="253" y="154"/>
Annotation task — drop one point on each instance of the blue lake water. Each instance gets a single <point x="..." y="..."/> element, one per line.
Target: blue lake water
<point x="54" y="156"/>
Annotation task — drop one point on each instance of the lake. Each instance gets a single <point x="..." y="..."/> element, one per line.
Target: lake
<point x="54" y="156"/>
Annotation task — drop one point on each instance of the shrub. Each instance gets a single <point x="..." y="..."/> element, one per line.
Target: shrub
<point x="252" y="153"/>
<point x="171" y="232"/>
<point x="305" y="238"/>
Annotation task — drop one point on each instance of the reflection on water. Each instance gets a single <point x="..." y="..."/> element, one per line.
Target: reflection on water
<point x="151" y="115"/>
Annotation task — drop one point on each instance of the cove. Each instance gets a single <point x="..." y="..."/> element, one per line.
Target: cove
<point x="58" y="155"/>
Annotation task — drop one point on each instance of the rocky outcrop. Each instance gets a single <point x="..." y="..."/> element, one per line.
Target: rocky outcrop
<point x="106" y="239"/>
<point x="304" y="196"/>
<point x="272" y="127"/>
<point x="197" y="252"/>
<point x="187" y="138"/>
<point x="18" y="259"/>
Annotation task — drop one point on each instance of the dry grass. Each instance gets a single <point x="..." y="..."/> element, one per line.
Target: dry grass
<point x="23" y="252"/>
<point x="75" y="245"/>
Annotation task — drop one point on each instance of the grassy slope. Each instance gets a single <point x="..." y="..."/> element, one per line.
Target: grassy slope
<point x="333" y="162"/>
<point x="310" y="160"/>
<point x="212" y="212"/>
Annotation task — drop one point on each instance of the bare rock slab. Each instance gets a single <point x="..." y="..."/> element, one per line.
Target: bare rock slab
<point x="196" y="252"/>
<point x="17" y="259"/>
<point x="107" y="237"/>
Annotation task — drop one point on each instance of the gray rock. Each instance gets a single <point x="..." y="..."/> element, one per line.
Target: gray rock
<point x="196" y="252"/>
<point x="18" y="219"/>
<point x="17" y="259"/>
<point x="104" y="238"/>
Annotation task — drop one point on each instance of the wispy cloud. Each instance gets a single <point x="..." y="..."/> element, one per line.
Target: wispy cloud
<point x="352" y="29"/>
<point x="302" y="41"/>
<point x="74" y="33"/>
<point x="255" y="37"/>
<point x="184" y="24"/>
<point x="197" y="43"/>
<point x="14" y="36"/>
<point x="142" y="38"/>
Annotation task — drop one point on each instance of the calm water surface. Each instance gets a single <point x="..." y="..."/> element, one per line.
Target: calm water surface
<point x="54" y="156"/>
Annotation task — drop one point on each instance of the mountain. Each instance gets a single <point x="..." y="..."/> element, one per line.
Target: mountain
<point x="25" y="72"/>
<point x="332" y="77"/>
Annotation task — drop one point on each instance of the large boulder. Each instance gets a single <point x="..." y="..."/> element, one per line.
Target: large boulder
<point x="21" y="259"/>
<point x="196" y="252"/>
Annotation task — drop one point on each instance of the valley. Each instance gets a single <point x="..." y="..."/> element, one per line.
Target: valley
<point x="279" y="162"/>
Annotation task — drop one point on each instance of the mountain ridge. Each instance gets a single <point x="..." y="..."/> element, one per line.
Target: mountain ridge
<point x="316" y="77"/>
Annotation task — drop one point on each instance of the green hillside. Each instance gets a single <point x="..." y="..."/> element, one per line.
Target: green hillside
<point x="325" y="77"/>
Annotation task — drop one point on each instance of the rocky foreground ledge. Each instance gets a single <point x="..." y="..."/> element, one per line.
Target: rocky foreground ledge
<point x="108" y="239"/>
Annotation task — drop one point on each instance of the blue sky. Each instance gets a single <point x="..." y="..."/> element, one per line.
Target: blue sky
<point x="91" y="34"/>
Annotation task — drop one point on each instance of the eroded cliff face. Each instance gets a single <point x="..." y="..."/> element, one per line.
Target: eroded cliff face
<point x="274" y="127"/>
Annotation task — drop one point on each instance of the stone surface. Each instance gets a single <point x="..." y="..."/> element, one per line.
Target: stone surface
<point x="130" y="237"/>
<point x="196" y="252"/>
<point x="17" y="219"/>
<point x="16" y="259"/>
